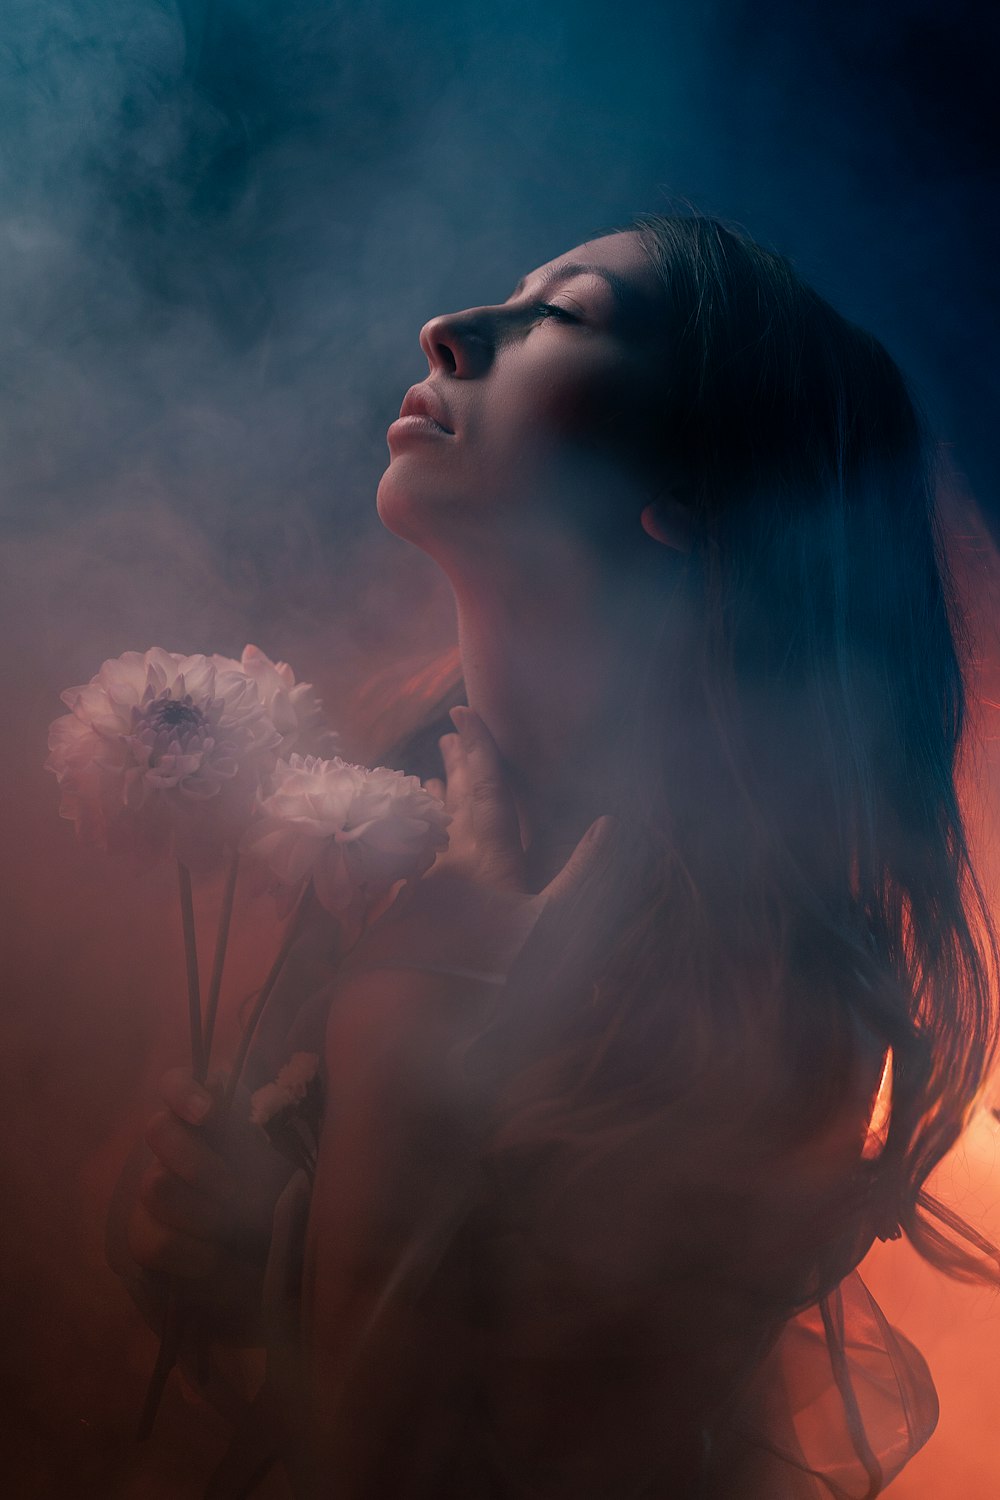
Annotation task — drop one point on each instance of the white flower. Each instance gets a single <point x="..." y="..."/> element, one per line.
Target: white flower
<point x="267" y="1102"/>
<point x="161" y="754"/>
<point x="288" y="1088"/>
<point x="298" y="1073"/>
<point x="355" y="832"/>
<point x="293" y="707"/>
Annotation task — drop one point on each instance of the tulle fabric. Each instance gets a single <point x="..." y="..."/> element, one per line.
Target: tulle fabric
<point x="842" y="1400"/>
<point x="834" y="1411"/>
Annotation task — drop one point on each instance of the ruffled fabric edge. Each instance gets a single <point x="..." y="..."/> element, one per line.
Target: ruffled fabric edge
<point x="842" y="1397"/>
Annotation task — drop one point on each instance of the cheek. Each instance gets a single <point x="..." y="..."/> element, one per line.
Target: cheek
<point x="567" y="434"/>
<point x="595" y="407"/>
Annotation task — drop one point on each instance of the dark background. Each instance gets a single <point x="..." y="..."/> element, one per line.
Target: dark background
<point x="224" y="222"/>
<point x="221" y="227"/>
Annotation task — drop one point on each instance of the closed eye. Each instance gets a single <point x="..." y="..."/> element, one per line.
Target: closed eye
<point x="553" y="310"/>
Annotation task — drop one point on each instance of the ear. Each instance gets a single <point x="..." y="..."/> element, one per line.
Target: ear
<point x="669" y="522"/>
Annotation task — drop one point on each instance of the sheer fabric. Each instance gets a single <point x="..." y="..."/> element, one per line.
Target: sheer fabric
<point x="835" y="1409"/>
<point x="843" y="1400"/>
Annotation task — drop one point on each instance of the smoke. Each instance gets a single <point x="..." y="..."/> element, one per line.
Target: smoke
<point x="222" y="224"/>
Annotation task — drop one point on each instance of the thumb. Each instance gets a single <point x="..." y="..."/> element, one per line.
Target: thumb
<point x="590" y="852"/>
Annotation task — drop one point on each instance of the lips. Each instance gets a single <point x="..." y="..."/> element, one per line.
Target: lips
<point x="423" y="401"/>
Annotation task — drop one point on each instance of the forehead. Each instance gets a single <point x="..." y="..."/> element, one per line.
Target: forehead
<point x="623" y="254"/>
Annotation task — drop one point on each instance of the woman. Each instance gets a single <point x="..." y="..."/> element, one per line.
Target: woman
<point x="600" y="1150"/>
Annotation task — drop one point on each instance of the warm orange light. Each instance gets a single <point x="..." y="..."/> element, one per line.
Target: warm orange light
<point x="878" y="1122"/>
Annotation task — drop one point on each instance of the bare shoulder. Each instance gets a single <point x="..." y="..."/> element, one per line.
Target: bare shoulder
<point x="399" y="1029"/>
<point x="400" y="1128"/>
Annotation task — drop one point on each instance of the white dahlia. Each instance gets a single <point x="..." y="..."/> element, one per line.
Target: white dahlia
<point x="293" y="707"/>
<point x="162" y="754"/>
<point x="354" y="832"/>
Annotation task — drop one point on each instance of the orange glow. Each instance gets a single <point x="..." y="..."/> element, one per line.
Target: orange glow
<point x="93" y="1013"/>
<point x="878" y="1124"/>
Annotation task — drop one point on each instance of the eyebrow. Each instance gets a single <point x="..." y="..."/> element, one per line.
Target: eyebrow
<point x="633" y="308"/>
<point x="630" y="301"/>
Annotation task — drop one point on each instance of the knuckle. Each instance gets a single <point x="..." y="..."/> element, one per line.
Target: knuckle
<point x="175" y="1147"/>
<point x="189" y="1101"/>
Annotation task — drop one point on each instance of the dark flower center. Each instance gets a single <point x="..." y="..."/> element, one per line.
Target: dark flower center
<point x="176" y="713"/>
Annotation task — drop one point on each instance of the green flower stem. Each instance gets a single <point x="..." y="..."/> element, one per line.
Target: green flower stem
<point x="175" y="1319"/>
<point x="292" y="931"/>
<point x="193" y="983"/>
<point x="221" y="943"/>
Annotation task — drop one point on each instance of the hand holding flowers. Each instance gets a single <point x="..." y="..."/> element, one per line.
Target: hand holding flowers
<point x="200" y="758"/>
<point x="204" y="1205"/>
<point x="210" y="760"/>
<point x="216" y="762"/>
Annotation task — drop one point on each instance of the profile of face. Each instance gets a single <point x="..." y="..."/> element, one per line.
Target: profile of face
<point x="538" y="413"/>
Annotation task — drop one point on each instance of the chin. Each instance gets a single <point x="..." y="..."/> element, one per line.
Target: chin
<point x="404" y="511"/>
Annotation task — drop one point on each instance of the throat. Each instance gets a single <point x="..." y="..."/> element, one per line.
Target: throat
<point x="551" y="703"/>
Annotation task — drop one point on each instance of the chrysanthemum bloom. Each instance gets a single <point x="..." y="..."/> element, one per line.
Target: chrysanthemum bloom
<point x="293" y="707"/>
<point x="355" y="832"/>
<point x="162" y="754"/>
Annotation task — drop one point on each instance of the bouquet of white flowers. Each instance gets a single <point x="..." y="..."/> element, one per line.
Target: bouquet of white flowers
<point x="214" y="763"/>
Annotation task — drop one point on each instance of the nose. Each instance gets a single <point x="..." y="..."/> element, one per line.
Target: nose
<point x="458" y="344"/>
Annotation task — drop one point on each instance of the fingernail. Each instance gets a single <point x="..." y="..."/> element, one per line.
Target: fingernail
<point x="197" y="1105"/>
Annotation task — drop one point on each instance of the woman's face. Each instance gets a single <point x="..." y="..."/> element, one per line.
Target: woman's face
<point x="536" y="410"/>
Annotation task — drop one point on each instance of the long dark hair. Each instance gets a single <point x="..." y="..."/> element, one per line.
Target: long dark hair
<point x="790" y="898"/>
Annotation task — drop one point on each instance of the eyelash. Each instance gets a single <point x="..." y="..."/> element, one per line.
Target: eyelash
<point x="553" y="310"/>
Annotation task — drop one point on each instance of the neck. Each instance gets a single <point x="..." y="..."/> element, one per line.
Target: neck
<point x="543" y="669"/>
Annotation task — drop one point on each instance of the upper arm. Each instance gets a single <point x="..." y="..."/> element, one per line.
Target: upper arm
<point x="394" y="1168"/>
<point x="399" y="1121"/>
<point x="390" y="1049"/>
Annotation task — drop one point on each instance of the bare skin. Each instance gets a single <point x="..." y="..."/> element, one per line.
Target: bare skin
<point x="533" y="486"/>
<point x="544" y="508"/>
<point x="527" y="466"/>
<point x="205" y="1204"/>
<point x="545" y="496"/>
